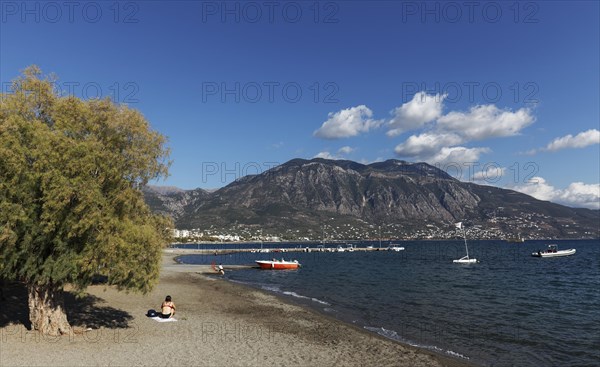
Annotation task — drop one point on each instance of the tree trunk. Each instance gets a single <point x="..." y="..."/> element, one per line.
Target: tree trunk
<point x="47" y="310"/>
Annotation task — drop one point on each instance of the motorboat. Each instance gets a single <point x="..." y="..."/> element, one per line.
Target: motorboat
<point x="553" y="251"/>
<point x="340" y="249"/>
<point x="278" y="264"/>
<point x="395" y="248"/>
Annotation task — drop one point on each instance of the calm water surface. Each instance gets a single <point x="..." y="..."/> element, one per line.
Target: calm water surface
<point x="510" y="309"/>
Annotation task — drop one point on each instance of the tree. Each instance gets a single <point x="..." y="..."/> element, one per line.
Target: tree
<point x="70" y="201"/>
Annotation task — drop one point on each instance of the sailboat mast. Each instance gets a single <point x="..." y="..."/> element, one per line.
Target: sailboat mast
<point x="465" y="236"/>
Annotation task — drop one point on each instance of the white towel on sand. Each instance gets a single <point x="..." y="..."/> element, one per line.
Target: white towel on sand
<point x="160" y="319"/>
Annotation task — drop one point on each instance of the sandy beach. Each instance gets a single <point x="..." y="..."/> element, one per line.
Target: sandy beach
<point x="219" y="324"/>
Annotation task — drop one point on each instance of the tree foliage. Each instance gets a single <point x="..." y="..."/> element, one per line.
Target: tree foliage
<point x="70" y="201"/>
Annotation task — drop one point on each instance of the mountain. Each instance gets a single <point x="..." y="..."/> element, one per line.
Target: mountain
<point x="305" y="198"/>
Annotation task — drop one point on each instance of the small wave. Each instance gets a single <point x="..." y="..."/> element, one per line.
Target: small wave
<point x="277" y="289"/>
<point x="321" y="302"/>
<point x="296" y="295"/>
<point x="391" y="334"/>
<point x="271" y="288"/>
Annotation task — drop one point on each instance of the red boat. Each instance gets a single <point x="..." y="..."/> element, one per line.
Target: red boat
<point x="278" y="264"/>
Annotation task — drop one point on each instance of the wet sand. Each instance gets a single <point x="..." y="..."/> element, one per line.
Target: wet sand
<point x="219" y="324"/>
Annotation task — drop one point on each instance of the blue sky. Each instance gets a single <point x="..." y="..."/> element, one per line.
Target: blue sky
<point x="499" y="93"/>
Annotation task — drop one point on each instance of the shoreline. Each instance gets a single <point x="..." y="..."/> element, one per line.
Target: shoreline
<point x="446" y="359"/>
<point x="220" y="323"/>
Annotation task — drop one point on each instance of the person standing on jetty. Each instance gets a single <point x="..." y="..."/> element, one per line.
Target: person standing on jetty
<point x="167" y="308"/>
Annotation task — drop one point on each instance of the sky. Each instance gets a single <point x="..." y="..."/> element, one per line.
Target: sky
<point x="498" y="93"/>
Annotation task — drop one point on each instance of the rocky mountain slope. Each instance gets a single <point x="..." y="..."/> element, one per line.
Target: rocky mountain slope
<point x="307" y="197"/>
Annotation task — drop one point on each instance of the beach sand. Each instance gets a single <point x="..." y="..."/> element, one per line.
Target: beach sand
<point x="219" y="324"/>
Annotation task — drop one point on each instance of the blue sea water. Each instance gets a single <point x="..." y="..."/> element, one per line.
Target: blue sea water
<point x="510" y="309"/>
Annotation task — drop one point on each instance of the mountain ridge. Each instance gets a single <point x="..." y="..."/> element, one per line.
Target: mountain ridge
<point x="297" y="199"/>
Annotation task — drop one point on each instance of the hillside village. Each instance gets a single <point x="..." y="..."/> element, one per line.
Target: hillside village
<point x="528" y="226"/>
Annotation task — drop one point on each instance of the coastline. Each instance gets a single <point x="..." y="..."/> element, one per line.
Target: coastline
<point x="221" y="323"/>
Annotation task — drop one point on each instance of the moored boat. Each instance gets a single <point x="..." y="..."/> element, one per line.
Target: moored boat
<point x="395" y="248"/>
<point x="278" y="264"/>
<point x="517" y="239"/>
<point x="465" y="259"/>
<point x="553" y="251"/>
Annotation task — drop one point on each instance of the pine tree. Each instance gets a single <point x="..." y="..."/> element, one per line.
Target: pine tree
<point x="70" y="201"/>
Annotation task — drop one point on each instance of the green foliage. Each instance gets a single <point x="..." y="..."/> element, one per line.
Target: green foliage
<point x="70" y="178"/>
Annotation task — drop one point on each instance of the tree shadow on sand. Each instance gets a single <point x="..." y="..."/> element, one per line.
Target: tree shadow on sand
<point x="86" y="312"/>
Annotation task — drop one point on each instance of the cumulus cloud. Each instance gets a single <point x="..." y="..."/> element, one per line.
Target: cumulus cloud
<point x="346" y="150"/>
<point x="347" y="123"/>
<point x="457" y="155"/>
<point x="422" y="109"/>
<point x="442" y="143"/>
<point x="325" y="155"/>
<point x="340" y="153"/>
<point x="442" y="137"/>
<point x="580" y="140"/>
<point x="489" y="173"/>
<point x="485" y="121"/>
<point x="577" y="194"/>
<point x="426" y="144"/>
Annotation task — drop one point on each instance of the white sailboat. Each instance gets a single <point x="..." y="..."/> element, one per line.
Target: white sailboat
<point x="465" y="259"/>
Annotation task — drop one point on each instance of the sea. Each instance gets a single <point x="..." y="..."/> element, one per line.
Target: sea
<point x="509" y="309"/>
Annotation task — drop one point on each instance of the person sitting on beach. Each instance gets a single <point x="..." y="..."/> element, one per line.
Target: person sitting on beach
<point x="221" y="270"/>
<point x="167" y="308"/>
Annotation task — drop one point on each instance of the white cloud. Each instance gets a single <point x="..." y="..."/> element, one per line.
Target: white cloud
<point x="346" y="150"/>
<point x="580" y="140"/>
<point x="340" y="153"/>
<point x="457" y="155"/>
<point x="577" y="194"/>
<point x="442" y="137"/>
<point x="581" y="194"/>
<point x="347" y="123"/>
<point x="439" y="148"/>
<point x="490" y="173"/>
<point x="538" y="188"/>
<point x="486" y="121"/>
<point x="325" y="155"/>
<point x="369" y="161"/>
<point x="426" y="144"/>
<point x="442" y="143"/>
<point x="423" y="108"/>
